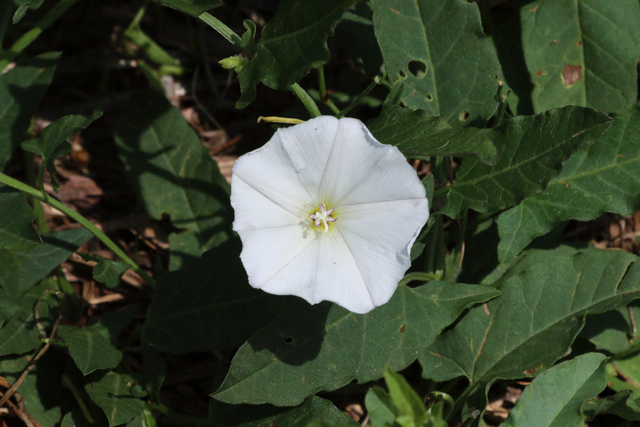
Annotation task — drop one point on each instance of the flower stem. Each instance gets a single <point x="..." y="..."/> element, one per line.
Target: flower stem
<point x="30" y="36"/>
<point x="44" y="197"/>
<point x="221" y="28"/>
<point x="324" y="97"/>
<point x="306" y="100"/>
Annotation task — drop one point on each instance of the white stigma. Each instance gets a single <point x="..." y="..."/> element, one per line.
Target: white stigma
<point x="323" y="216"/>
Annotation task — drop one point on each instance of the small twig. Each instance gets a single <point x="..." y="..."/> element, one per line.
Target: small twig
<point x="32" y="364"/>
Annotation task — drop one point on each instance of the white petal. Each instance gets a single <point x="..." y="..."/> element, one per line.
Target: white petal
<point x="254" y="210"/>
<point x="325" y="270"/>
<point x="362" y="169"/>
<point x="380" y="236"/>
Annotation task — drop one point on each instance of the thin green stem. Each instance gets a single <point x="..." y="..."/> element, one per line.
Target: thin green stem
<point x="306" y="100"/>
<point x="418" y="276"/>
<point x="67" y="383"/>
<point x="221" y="28"/>
<point x="44" y="197"/>
<point x="30" y="36"/>
<point x="321" y="83"/>
<point x="187" y="419"/>
<point x="460" y="401"/>
<point x="358" y="99"/>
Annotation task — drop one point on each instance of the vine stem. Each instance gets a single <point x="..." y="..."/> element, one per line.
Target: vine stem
<point x="27" y="38"/>
<point x="306" y="100"/>
<point x="44" y="197"/>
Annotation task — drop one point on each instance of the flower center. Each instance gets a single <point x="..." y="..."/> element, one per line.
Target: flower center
<point x="323" y="216"/>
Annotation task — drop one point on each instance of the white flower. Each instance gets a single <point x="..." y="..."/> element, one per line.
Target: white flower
<point x="326" y="212"/>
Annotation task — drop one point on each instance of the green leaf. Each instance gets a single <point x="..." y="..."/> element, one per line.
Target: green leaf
<point x="409" y="404"/>
<point x="19" y="271"/>
<point x="583" y="53"/>
<point x="603" y="177"/>
<point x="21" y="89"/>
<point x="420" y="136"/>
<point x="89" y="349"/>
<point x="268" y="416"/>
<point x="109" y="272"/>
<point x="327" y="346"/>
<point x="609" y="331"/>
<point x="292" y="43"/>
<point x="16" y="222"/>
<point x="117" y="395"/>
<point x="355" y="34"/>
<point x="173" y="172"/>
<point x="627" y="369"/>
<point x="620" y="404"/>
<point x="20" y="334"/>
<point x="213" y="293"/>
<point x="545" y="297"/>
<point x="439" y="51"/>
<point x="531" y="151"/>
<point x="570" y="383"/>
<point x="54" y="141"/>
<point x="40" y="390"/>
<point x="380" y="407"/>
<point x="192" y="7"/>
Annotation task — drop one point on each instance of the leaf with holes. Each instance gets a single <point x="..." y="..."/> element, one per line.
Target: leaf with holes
<point x="583" y="52"/>
<point x="328" y="346"/>
<point x="531" y="151"/>
<point x="292" y="43"/>
<point x="420" y="136"/>
<point x="603" y="177"/>
<point x="545" y="297"/>
<point x="438" y="49"/>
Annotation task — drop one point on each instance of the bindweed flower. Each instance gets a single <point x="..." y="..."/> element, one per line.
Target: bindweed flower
<point x="326" y="212"/>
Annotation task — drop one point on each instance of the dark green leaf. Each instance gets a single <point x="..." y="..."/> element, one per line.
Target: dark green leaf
<point x="570" y="383"/>
<point x="54" y="141"/>
<point x="603" y="177"/>
<point x="20" y="334"/>
<point x="380" y="407"/>
<point x="40" y="390"/>
<point x="609" y="331"/>
<point x="173" y="172"/>
<point x="109" y="272"/>
<point x="89" y="349"/>
<point x="582" y="53"/>
<point x="356" y="36"/>
<point x="292" y="43"/>
<point x="192" y="7"/>
<point x="620" y="404"/>
<point x="439" y="51"/>
<point x="625" y="374"/>
<point x="16" y="222"/>
<point x="327" y="346"/>
<point x="545" y="297"/>
<point x="20" y="91"/>
<point x="117" y="395"/>
<point x="212" y="294"/>
<point x="20" y="271"/>
<point x="268" y="416"/>
<point x="531" y="151"/>
<point x="420" y="136"/>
